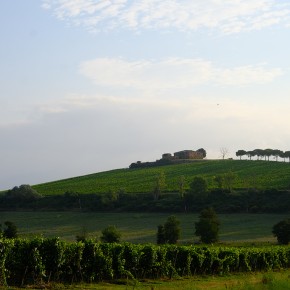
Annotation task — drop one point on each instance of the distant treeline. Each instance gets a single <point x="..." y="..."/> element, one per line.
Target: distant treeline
<point x="156" y="163"/>
<point x="264" y="154"/>
<point x="222" y="200"/>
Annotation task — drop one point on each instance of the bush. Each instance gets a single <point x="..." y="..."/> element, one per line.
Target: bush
<point x="110" y="235"/>
<point x="10" y="230"/>
<point x="169" y="233"/>
<point x="207" y="228"/>
<point x="281" y="230"/>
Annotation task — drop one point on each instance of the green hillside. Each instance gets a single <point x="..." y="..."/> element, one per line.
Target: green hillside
<point x="249" y="174"/>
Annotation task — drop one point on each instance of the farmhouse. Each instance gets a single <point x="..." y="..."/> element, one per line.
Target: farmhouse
<point x="185" y="154"/>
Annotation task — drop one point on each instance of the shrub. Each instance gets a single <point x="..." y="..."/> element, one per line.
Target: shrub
<point x="110" y="235"/>
<point x="207" y="228"/>
<point x="281" y="230"/>
<point x="169" y="232"/>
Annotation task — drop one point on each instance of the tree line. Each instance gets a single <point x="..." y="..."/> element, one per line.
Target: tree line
<point x="264" y="154"/>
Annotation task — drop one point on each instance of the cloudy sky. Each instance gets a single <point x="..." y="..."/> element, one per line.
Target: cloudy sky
<point x="94" y="85"/>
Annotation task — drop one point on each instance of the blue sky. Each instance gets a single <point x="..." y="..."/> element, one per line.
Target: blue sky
<point x="88" y="85"/>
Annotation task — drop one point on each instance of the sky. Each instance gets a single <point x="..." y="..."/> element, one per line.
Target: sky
<point x="94" y="85"/>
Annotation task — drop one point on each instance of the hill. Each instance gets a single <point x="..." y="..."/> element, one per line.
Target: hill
<point x="249" y="174"/>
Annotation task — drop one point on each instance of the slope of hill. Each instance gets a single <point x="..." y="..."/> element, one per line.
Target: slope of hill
<point x="249" y="174"/>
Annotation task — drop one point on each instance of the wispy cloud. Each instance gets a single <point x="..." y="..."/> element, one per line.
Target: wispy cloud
<point x="174" y="73"/>
<point x="227" y="16"/>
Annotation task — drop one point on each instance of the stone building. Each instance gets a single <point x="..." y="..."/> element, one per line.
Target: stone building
<point x="185" y="154"/>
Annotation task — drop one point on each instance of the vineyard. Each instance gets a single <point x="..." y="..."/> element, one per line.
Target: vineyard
<point x="41" y="260"/>
<point x="249" y="174"/>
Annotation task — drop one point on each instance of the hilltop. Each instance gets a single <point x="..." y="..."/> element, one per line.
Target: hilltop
<point x="249" y="174"/>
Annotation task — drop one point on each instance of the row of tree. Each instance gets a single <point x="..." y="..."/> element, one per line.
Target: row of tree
<point x="207" y="228"/>
<point x="264" y="154"/>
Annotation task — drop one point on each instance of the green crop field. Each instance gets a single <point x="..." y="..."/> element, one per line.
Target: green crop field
<point x="139" y="227"/>
<point x="249" y="174"/>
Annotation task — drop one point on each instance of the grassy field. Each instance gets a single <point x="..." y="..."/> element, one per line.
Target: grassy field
<point x="257" y="174"/>
<point x="251" y="281"/>
<point x="140" y="227"/>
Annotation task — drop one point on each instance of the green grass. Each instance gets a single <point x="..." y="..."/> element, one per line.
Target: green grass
<point x="251" y="281"/>
<point x="140" y="227"/>
<point x="257" y="174"/>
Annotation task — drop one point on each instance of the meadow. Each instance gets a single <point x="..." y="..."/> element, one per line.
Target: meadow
<point x="140" y="227"/>
<point x="249" y="174"/>
<point x="251" y="281"/>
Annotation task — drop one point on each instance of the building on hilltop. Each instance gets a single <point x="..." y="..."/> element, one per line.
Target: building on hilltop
<point x="185" y="154"/>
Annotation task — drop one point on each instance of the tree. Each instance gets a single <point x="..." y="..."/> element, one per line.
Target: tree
<point x="287" y="154"/>
<point x="110" y="235"/>
<point x="229" y="179"/>
<point x="259" y="153"/>
<point x="198" y="186"/>
<point x="202" y="151"/>
<point x="23" y="192"/>
<point x="161" y="235"/>
<point x="159" y="185"/>
<point x="224" y="152"/>
<point x="10" y="230"/>
<point x="268" y="153"/>
<point x="276" y="153"/>
<point x="207" y="228"/>
<point x="281" y="230"/>
<point x="241" y="153"/>
<point x="169" y="233"/>
<point x="181" y="186"/>
<point x="251" y="154"/>
<point x="219" y="180"/>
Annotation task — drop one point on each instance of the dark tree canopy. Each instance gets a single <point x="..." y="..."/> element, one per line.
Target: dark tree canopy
<point x="198" y="186"/>
<point x="207" y="228"/>
<point x="169" y="232"/>
<point x="10" y="230"/>
<point x="281" y="230"/>
<point x="23" y="192"/>
<point x="110" y="235"/>
<point x="202" y="151"/>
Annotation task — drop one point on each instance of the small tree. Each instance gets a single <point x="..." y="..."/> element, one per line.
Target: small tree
<point x="10" y="230"/>
<point x="198" y="186"/>
<point x="161" y="235"/>
<point x="160" y="185"/>
<point x="202" y="151"/>
<point x="207" y="228"/>
<point x="241" y="153"/>
<point x="169" y="232"/>
<point x="229" y="179"/>
<point x="281" y="230"/>
<point x="110" y="235"/>
<point x="224" y="152"/>
<point x="219" y="180"/>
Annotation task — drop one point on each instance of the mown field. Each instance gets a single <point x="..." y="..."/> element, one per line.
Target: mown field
<point x="249" y="174"/>
<point x="140" y="227"/>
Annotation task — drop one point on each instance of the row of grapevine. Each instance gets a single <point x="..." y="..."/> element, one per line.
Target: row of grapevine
<point x="43" y="260"/>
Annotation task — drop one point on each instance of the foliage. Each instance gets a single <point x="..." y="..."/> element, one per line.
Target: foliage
<point x="169" y="233"/>
<point x="10" y="230"/>
<point x="207" y="228"/>
<point x="198" y="186"/>
<point x="40" y="261"/>
<point x="110" y="235"/>
<point x="159" y="186"/>
<point x="23" y="192"/>
<point x="281" y="230"/>
<point x="202" y="151"/>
